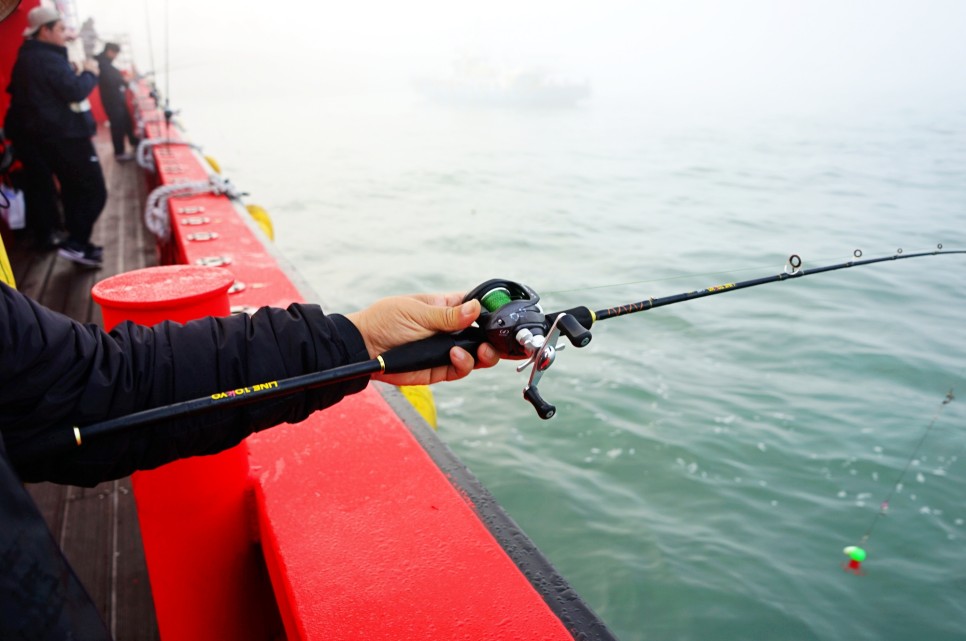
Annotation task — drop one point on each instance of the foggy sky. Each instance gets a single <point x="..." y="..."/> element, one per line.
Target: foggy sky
<point x="685" y="51"/>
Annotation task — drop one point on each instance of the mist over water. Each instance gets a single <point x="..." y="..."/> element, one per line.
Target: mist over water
<point x="709" y="460"/>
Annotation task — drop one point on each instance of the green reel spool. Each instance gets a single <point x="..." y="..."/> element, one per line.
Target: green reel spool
<point x="495" y="299"/>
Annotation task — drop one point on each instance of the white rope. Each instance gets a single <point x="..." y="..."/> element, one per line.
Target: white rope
<point x="146" y="159"/>
<point x="156" y="216"/>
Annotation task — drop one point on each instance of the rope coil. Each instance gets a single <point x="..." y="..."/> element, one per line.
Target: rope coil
<point x="156" y="217"/>
<point x="145" y="158"/>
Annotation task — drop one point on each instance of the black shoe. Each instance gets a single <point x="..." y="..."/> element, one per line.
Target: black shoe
<point x="45" y="242"/>
<point x="87" y="256"/>
<point x="42" y="244"/>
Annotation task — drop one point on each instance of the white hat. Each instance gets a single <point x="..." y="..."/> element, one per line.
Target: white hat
<point x="38" y="17"/>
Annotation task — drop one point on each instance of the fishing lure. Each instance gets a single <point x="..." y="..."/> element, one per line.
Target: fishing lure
<point x="512" y="320"/>
<point x="856" y="556"/>
<point x="857" y="553"/>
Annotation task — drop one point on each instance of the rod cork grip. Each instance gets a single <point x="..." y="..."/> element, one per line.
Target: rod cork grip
<point x="431" y="352"/>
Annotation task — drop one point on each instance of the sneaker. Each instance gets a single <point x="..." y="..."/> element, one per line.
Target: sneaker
<point x="87" y="256"/>
<point x="124" y="157"/>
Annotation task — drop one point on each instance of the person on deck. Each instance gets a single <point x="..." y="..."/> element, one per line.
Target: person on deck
<point x="50" y="121"/>
<point x="88" y="37"/>
<point x="55" y="373"/>
<point x="114" y="99"/>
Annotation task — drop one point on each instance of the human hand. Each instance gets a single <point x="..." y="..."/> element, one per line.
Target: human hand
<point x="92" y="66"/>
<point x="399" y="320"/>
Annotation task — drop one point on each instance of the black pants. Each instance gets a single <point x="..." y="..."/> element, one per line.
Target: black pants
<point x="40" y="596"/>
<point x="39" y="192"/>
<point x="121" y="127"/>
<point x="82" y="188"/>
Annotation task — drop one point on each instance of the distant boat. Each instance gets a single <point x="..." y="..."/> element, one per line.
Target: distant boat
<point x="476" y="82"/>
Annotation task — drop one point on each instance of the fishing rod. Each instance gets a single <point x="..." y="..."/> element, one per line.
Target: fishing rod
<point x="511" y="320"/>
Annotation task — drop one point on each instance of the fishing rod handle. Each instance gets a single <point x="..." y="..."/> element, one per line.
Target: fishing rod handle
<point x="430" y="352"/>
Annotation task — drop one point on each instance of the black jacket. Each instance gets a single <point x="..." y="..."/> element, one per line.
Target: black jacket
<point x="112" y="87"/>
<point x="42" y="87"/>
<point x="56" y="373"/>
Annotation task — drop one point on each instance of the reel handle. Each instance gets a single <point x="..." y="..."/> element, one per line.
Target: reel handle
<point x="544" y="409"/>
<point x="570" y="327"/>
<point x="583" y="315"/>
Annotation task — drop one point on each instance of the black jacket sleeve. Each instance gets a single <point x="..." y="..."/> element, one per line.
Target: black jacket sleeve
<point x="66" y="84"/>
<point x="56" y="373"/>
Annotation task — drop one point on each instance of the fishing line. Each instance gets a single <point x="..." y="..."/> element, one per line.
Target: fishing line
<point x="857" y="553"/>
<point x="167" y="69"/>
<point x="147" y="20"/>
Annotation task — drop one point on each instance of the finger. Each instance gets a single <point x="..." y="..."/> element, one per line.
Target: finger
<point x="462" y="364"/>
<point x="468" y="312"/>
<point x="486" y="356"/>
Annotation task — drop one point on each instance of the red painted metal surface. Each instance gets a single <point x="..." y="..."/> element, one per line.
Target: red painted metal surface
<point x="207" y="576"/>
<point x="171" y="292"/>
<point x="367" y="539"/>
<point x="97" y="109"/>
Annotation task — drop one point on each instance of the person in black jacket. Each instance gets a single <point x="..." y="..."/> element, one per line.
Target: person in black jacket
<point x="55" y="373"/>
<point x="113" y="98"/>
<point x="50" y="121"/>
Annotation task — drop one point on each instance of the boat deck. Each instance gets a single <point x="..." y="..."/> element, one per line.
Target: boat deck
<point x="97" y="527"/>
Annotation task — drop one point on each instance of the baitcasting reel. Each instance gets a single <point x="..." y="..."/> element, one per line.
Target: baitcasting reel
<point x="514" y="323"/>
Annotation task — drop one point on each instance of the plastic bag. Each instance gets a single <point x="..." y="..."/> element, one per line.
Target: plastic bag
<point x="13" y="209"/>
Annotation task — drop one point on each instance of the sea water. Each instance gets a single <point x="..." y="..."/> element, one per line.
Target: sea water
<point x="709" y="460"/>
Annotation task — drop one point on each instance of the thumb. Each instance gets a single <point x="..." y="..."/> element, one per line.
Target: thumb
<point x="450" y="319"/>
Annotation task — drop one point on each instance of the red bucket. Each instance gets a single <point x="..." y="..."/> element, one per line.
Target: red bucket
<point x="171" y="292"/>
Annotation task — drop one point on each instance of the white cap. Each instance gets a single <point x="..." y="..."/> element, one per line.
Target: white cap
<point x="38" y="17"/>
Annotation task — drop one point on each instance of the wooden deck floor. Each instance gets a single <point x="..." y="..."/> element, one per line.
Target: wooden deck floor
<point x="97" y="527"/>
